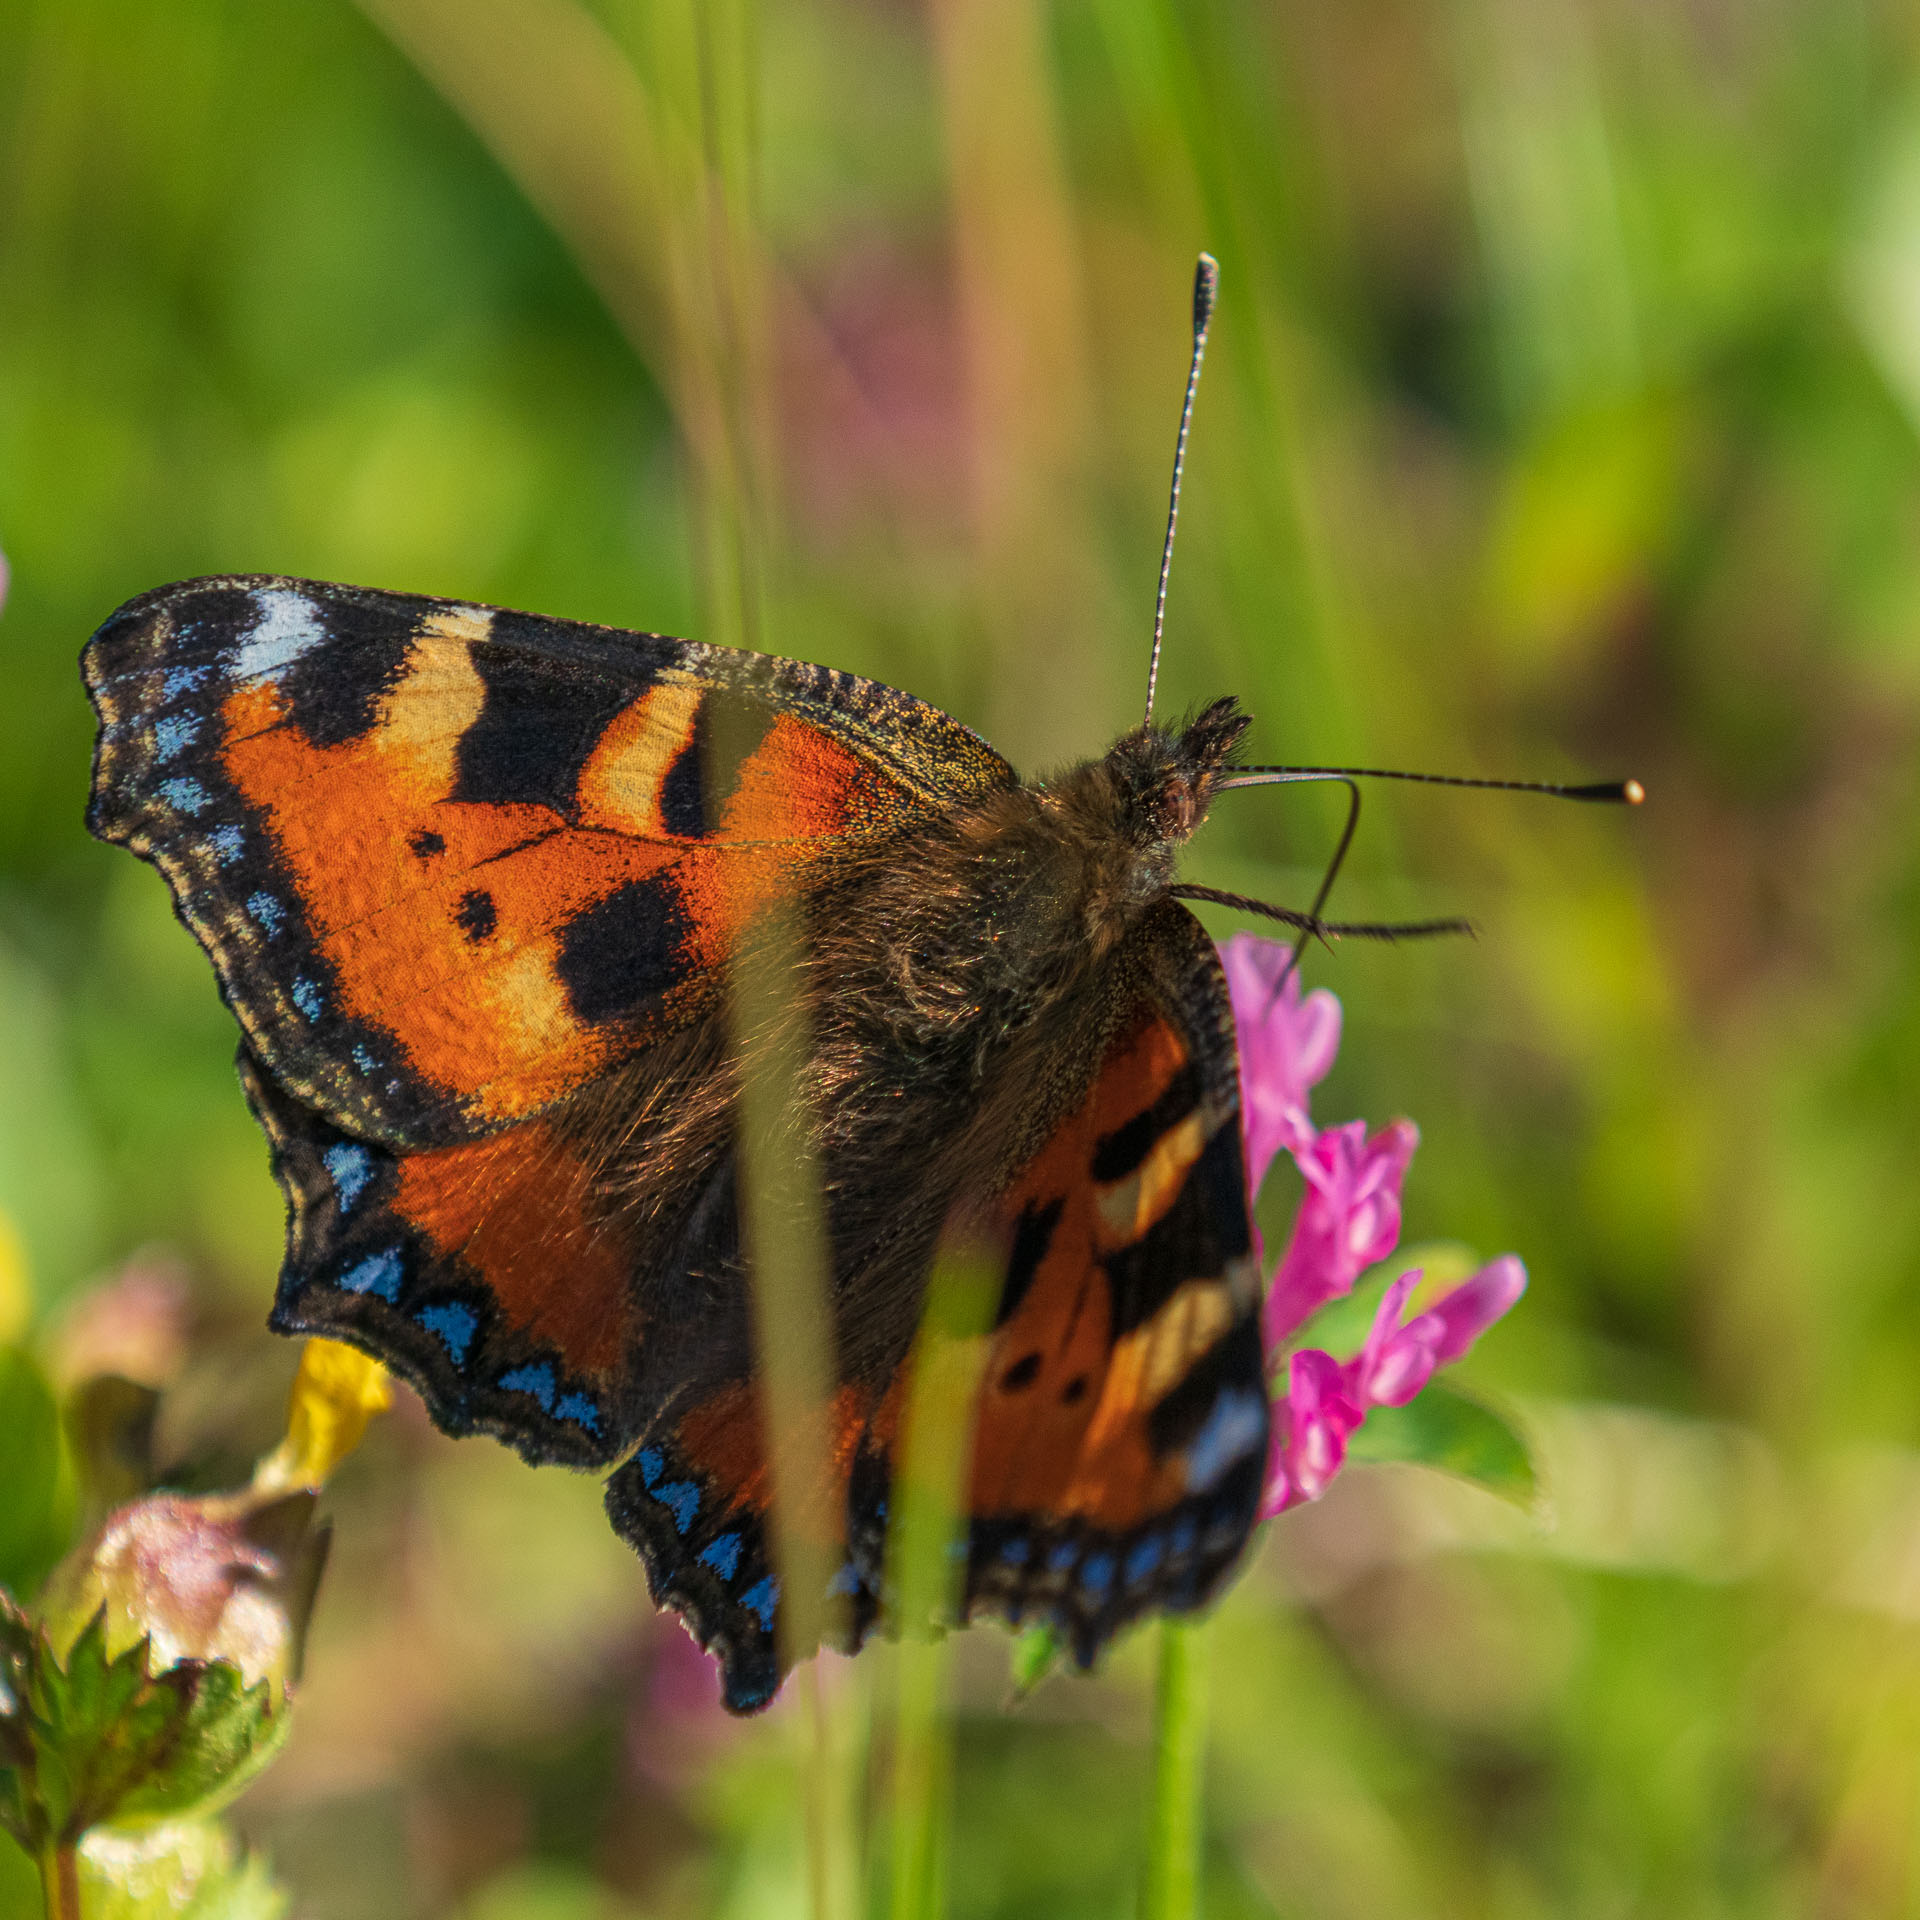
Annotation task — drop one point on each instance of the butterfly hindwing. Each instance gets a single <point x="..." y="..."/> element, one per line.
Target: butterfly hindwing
<point x="1123" y="1415"/>
<point x="452" y="864"/>
<point x="694" y="1502"/>
<point x="487" y="1272"/>
<point x="1123" y="1419"/>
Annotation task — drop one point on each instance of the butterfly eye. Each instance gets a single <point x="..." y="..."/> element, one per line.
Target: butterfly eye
<point x="1179" y="808"/>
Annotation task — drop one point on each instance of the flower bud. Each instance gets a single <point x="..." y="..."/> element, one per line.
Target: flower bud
<point x="230" y="1577"/>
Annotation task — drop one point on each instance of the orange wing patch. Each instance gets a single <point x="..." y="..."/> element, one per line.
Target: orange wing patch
<point x="723" y="1439"/>
<point x="802" y="785"/>
<point x="450" y="924"/>
<point x="516" y="1208"/>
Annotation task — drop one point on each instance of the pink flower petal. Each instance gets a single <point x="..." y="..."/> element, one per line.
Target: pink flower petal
<point x="1311" y="1428"/>
<point x="1349" y="1219"/>
<point x="1474" y="1305"/>
<point x="1287" y="1043"/>
<point x="1396" y="1361"/>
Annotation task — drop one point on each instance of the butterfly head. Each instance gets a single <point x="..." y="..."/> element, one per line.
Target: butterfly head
<point x="1165" y="778"/>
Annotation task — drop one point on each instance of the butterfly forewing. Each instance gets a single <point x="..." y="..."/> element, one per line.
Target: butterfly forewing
<point x="452" y="863"/>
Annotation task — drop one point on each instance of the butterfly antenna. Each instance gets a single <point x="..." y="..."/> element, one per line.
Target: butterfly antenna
<point x="1621" y="792"/>
<point x="1323" y="929"/>
<point x="1628" y="793"/>
<point x="1206" y="284"/>
<point x="1326" y="882"/>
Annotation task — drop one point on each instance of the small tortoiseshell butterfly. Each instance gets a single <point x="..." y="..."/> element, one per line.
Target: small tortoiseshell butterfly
<point x="470" y="880"/>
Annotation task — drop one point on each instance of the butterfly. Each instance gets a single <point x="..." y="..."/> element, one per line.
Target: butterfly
<point x="472" y="882"/>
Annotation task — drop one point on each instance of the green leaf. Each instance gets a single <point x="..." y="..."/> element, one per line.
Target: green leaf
<point x="104" y="1739"/>
<point x="1342" y="1325"/>
<point x="223" y="1733"/>
<point x="1037" y="1651"/>
<point x="36" y="1491"/>
<point x="1441" y="1427"/>
<point x="19" y="1884"/>
<point x="182" y="1870"/>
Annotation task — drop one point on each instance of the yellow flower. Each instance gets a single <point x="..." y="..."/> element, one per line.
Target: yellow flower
<point x="335" y="1393"/>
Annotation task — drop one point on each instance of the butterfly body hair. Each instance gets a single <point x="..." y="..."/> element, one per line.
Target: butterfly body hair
<point x="953" y="991"/>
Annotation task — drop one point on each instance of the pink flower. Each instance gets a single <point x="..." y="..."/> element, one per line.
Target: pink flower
<point x="1311" y="1428"/>
<point x="1349" y="1220"/>
<point x="1287" y="1043"/>
<point x="1328" y="1399"/>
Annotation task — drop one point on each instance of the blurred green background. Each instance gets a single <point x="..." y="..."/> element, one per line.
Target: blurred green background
<point x="1560" y="421"/>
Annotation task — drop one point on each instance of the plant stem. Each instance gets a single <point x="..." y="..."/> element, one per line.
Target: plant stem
<point x="60" y="1882"/>
<point x="825" y="1768"/>
<point x="922" y="1766"/>
<point x="1180" y="1745"/>
<point x="926" y="1565"/>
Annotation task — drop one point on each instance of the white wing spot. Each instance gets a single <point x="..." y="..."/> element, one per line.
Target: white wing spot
<point x="286" y="629"/>
<point x="1235" y="1427"/>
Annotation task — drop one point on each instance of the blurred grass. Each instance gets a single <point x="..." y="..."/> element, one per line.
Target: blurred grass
<point x="926" y="1534"/>
<point x="1560" y="417"/>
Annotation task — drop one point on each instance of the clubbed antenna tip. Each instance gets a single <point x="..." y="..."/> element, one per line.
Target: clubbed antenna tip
<point x="1206" y="289"/>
